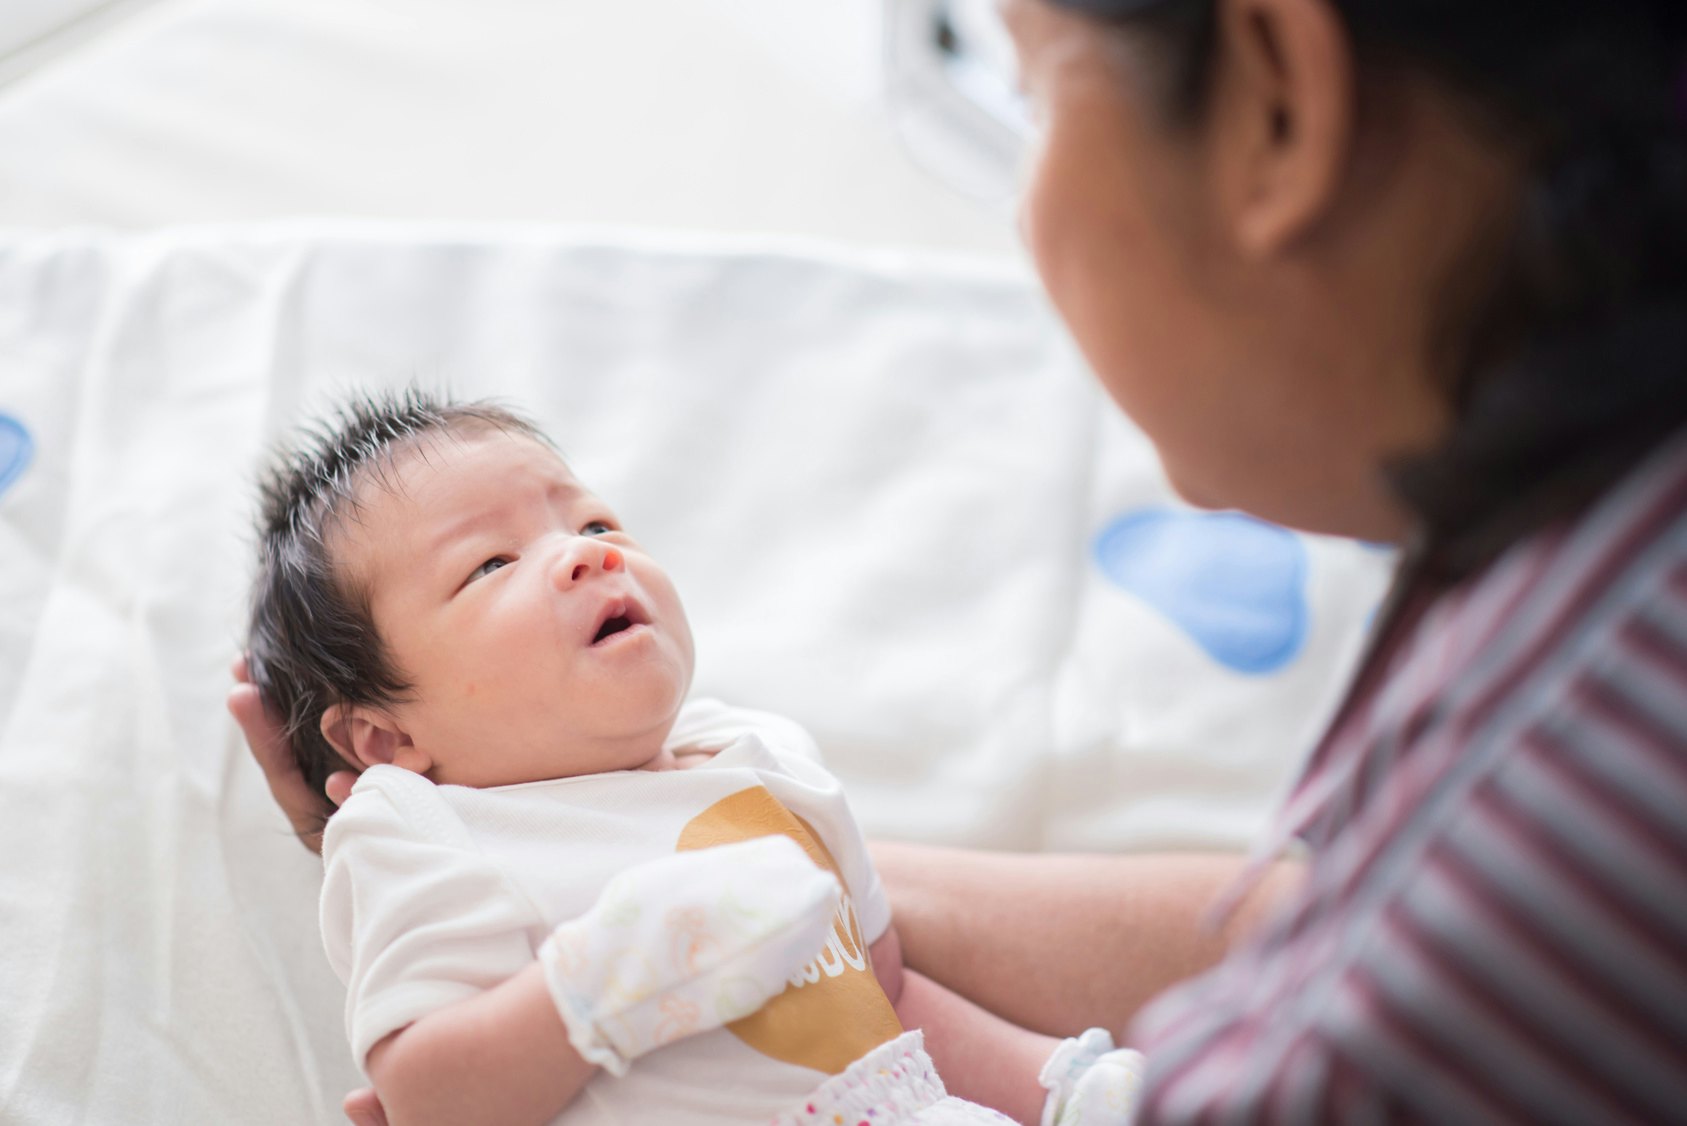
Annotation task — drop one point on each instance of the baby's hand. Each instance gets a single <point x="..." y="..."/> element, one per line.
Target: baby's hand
<point x="686" y="944"/>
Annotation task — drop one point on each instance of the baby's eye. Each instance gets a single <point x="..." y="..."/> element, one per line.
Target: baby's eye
<point x="488" y="567"/>
<point x="597" y="528"/>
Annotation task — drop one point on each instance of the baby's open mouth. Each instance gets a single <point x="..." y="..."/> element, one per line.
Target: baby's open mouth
<point x="619" y="616"/>
<point x="612" y="627"/>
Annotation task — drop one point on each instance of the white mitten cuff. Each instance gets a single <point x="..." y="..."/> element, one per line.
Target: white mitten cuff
<point x="686" y="944"/>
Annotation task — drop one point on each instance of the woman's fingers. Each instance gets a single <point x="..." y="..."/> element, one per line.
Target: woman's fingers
<point x="304" y="807"/>
<point x="339" y="786"/>
<point x="364" y="1108"/>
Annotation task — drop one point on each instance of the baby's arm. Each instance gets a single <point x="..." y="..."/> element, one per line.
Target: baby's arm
<point x="981" y="1057"/>
<point x="501" y="1056"/>
<point x="673" y="947"/>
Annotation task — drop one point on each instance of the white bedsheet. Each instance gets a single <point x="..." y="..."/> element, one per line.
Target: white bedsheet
<point x="896" y="506"/>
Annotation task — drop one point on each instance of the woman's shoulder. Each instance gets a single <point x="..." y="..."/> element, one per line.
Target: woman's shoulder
<point x="1575" y="593"/>
<point x="1576" y="637"/>
<point x="1535" y="797"/>
<point x="1639" y="521"/>
<point x="1497" y="829"/>
<point x="1604" y="588"/>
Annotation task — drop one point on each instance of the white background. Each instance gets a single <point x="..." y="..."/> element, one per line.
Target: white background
<point x="720" y="115"/>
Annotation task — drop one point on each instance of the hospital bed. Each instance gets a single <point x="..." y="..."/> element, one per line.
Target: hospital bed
<point x="896" y="505"/>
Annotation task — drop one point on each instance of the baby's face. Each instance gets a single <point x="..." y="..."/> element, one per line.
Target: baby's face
<point x="541" y="640"/>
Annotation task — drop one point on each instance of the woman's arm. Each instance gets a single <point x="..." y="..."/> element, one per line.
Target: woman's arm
<point x="1060" y="943"/>
<point x="500" y="1056"/>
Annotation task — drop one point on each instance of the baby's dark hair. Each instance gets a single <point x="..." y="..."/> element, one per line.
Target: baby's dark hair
<point x="312" y="642"/>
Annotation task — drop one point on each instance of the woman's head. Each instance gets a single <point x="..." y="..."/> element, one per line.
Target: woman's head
<point x="1302" y="240"/>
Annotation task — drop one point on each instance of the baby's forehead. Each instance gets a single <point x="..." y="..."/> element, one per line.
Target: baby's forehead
<point x="444" y="462"/>
<point x="442" y="474"/>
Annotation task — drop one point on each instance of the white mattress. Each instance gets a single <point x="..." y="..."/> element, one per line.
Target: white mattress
<point x="895" y="504"/>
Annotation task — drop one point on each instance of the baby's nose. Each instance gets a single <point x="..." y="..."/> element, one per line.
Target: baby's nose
<point x="577" y="565"/>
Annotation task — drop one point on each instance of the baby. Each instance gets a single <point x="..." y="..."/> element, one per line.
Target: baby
<point x="553" y="865"/>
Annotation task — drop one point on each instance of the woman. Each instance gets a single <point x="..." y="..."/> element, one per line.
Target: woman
<point x="1407" y="270"/>
<point x="1418" y="271"/>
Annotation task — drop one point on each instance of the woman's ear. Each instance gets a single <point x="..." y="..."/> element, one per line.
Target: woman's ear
<point x="365" y="737"/>
<point x="1286" y="100"/>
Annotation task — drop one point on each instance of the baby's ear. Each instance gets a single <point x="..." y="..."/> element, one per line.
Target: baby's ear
<point x="367" y="738"/>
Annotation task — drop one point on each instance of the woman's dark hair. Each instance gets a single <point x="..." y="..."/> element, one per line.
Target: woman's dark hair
<point x="312" y="641"/>
<point x="1577" y="367"/>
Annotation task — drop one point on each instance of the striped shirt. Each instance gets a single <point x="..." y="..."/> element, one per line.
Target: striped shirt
<point x="1494" y="924"/>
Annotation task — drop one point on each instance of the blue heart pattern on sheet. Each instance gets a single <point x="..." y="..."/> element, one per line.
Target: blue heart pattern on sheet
<point x="1235" y="585"/>
<point x="16" y="446"/>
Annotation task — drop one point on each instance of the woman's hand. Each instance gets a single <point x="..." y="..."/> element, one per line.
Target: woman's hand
<point x="363" y="1107"/>
<point x="303" y="806"/>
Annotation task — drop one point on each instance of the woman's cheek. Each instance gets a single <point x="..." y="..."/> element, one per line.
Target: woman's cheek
<point x="1033" y="195"/>
<point x="1040" y="228"/>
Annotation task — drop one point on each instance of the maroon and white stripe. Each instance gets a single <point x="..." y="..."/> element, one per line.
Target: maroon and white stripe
<point x="1494" y="925"/>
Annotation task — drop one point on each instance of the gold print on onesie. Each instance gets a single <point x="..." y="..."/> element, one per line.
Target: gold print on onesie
<point x="835" y="1012"/>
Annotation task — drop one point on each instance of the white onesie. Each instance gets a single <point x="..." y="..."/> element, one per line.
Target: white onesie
<point x="433" y="894"/>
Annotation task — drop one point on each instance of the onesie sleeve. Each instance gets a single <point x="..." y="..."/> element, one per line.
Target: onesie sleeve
<point x="414" y="917"/>
<point x="818" y="796"/>
<point x="872" y="906"/>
